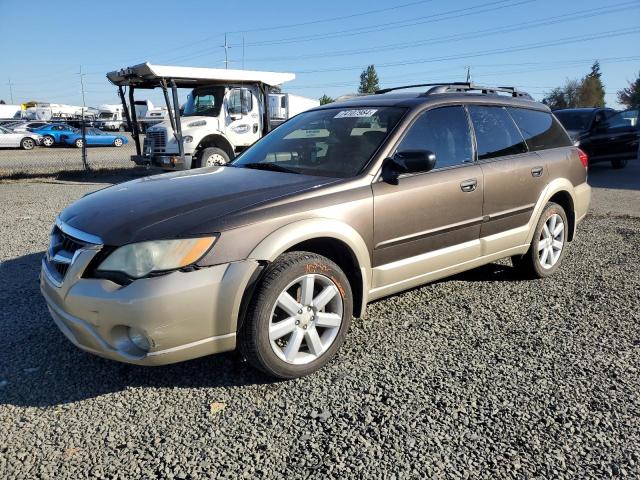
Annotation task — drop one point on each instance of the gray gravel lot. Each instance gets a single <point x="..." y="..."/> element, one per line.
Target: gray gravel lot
<point x="479" y="376"/>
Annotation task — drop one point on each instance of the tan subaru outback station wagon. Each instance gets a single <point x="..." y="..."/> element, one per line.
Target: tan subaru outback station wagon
<point x="275" y="252"/>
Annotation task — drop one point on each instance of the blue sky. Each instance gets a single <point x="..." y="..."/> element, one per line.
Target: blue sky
<point x="532" y="44"/>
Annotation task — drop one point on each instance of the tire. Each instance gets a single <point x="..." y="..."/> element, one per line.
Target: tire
<point x="537" y="263"/>
<point x="48" y="141"/>
<point x="78" y="143"/>
<point x="212" y="156"/>
<point x="619" y="163"/>
<point x="117" y="142"/>
<point x="266" y="344"/>
<point x="27" y="143"/>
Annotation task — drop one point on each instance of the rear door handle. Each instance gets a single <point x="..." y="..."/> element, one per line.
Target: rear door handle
<point x="469" y="185"/>
<point x="537" y="171"/>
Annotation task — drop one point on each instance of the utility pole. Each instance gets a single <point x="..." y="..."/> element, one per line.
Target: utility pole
<point x="243" y="52"/>
<point x="468" y="73"/>
<point x="10" y="90"/>
<point x="226" y="47"/>
<point x="84" y="129"/>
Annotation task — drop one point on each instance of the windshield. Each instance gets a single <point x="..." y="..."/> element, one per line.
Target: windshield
<point x="204" y="101"/>
<point x="106" y="115"/>
<point x="336" y="142"/>
<point x="575" y="120"/>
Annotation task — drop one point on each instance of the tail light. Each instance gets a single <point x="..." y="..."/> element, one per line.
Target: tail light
<point x="584" y="158"/>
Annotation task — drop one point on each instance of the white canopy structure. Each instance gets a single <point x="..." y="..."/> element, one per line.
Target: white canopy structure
<point x="146" y="75"/>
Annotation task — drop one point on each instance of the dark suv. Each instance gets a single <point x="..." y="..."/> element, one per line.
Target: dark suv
<point x="603" y="133"/>
<point x="339" y="206"/>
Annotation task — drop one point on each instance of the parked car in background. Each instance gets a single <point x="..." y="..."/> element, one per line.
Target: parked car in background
<point x="94" y="137"/>
<point x="603" y="133"/>
<point x="24" y="140"/>
<point x="28" y="126"/>
<point x="52" y="134"/>
<point x="339" y="206"/>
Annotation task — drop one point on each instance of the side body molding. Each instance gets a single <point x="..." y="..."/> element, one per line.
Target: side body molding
<point x="289" y="235"/>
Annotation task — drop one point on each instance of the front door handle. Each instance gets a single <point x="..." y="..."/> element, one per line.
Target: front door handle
<point x="537" y="171"/>
<point x="469" y="185"/>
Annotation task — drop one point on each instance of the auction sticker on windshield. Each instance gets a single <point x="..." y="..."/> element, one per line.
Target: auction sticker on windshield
<point x="367" y="112"/>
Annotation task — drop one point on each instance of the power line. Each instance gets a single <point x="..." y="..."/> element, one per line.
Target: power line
<point x="543" y="22"/>
<point x="432" y="18"/>
<point x="519" y="48"/>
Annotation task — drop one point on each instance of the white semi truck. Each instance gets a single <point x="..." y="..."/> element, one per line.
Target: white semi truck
<point x="283" y="106"/>
<point x="225" y="112"/>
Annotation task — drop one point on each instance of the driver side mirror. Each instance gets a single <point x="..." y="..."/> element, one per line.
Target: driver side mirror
<point x="407" y="161"/>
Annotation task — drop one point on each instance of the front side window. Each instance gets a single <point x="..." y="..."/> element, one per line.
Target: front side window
<point x="443" y="131"/>
<point x="628" y="118"/>
<point x="204" y="101"/>
<point x="496" y="134"/>
<point x="240" y="101"/>
<point x="539" y="129"/>
<point x="330" y="142"/>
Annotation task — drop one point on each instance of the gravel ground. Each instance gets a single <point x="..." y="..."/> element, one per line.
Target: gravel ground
<point x="478" y="376"/>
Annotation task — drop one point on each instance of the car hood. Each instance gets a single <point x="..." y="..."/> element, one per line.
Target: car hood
<point x="180" y="204"/>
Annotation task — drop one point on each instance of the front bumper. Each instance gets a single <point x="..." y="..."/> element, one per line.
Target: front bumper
<point x="167" y="162"/>
<point x="183" y="315"/>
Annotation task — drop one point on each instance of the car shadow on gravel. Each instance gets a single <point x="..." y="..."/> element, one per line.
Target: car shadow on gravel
<point x="39" y="367"/>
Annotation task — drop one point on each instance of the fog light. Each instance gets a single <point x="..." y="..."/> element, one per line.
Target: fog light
<point x="139" y="339"/>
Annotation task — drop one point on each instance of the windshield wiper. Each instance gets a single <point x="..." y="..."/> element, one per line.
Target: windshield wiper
<point x="274" y="167"/>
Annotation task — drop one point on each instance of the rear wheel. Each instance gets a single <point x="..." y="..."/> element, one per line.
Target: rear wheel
<point x="299" y="316"/>
<point x="212" y="156"/>
<point x="548" y="245"/>
<point x="79" y="143"/>
<point x="27" y="143"/>
<point x="48" y="141"/>
<point x="117" y="142"/>
<point x="619" y="163"/>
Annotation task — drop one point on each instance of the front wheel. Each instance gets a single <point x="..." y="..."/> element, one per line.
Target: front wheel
<point x="548" y="245"/>
<point x="298" y="317"/>
<point x="79" y="143"/>
<point x="48" y="141"/>
<point x="213" y="156"/>
<point x="117" y="142"/>
<point x="27" y="143"/>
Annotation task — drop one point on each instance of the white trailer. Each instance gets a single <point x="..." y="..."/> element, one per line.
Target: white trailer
<point x="110" y="117"/>
<point x="226" y="112"/>
<point x="10" y="111"/>
<point x="283" y="106"/>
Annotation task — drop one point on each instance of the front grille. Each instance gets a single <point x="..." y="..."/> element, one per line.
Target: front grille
<point x="156" y="140"/>
<point x="60" y="253"/>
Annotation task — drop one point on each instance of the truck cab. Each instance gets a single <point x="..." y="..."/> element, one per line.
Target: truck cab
<point x="226" y="111"/>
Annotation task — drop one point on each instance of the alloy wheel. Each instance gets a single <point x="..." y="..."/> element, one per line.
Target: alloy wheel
<point x="305" y="319"/>
<point x="551" y="241"/>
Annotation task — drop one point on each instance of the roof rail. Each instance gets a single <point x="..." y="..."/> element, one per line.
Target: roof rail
<point x="461" y="87"/>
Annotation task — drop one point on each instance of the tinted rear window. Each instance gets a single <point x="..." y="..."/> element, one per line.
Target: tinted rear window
<point x="496" y="134"/>
<point x="539" y="129"/>
<point x="574" y="119"/>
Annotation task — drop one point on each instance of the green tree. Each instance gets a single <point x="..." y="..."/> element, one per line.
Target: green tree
<point x="2" y="102"/>
<point x="369" y="82"/>
<point x="591" y="90"/>
<point x="566" y="96"/>
<point x="324" y="99"/>
<point x="630" y="96"/>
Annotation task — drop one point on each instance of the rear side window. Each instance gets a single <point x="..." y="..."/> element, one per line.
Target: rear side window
<point x="539" y="129"/>
<point x="496" y="134"/>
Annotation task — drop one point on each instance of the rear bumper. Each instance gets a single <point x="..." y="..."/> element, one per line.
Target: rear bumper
<point x="183" y="315"/>
<point x="582" y="200"/>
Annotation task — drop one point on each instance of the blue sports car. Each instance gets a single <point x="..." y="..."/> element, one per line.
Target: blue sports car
<point x="94" y="137"/>
<point x="51" y="134"/>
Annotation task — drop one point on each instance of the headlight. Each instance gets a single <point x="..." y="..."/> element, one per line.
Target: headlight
<point x="188" y="139"/>
<point x="198" y="123"/>
<point x="140" y="259"/>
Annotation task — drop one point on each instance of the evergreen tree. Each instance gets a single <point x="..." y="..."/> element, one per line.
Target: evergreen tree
<point x="592" y="90"/>
<point x="369" y="82"/>
<point x="324" y="99"/>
